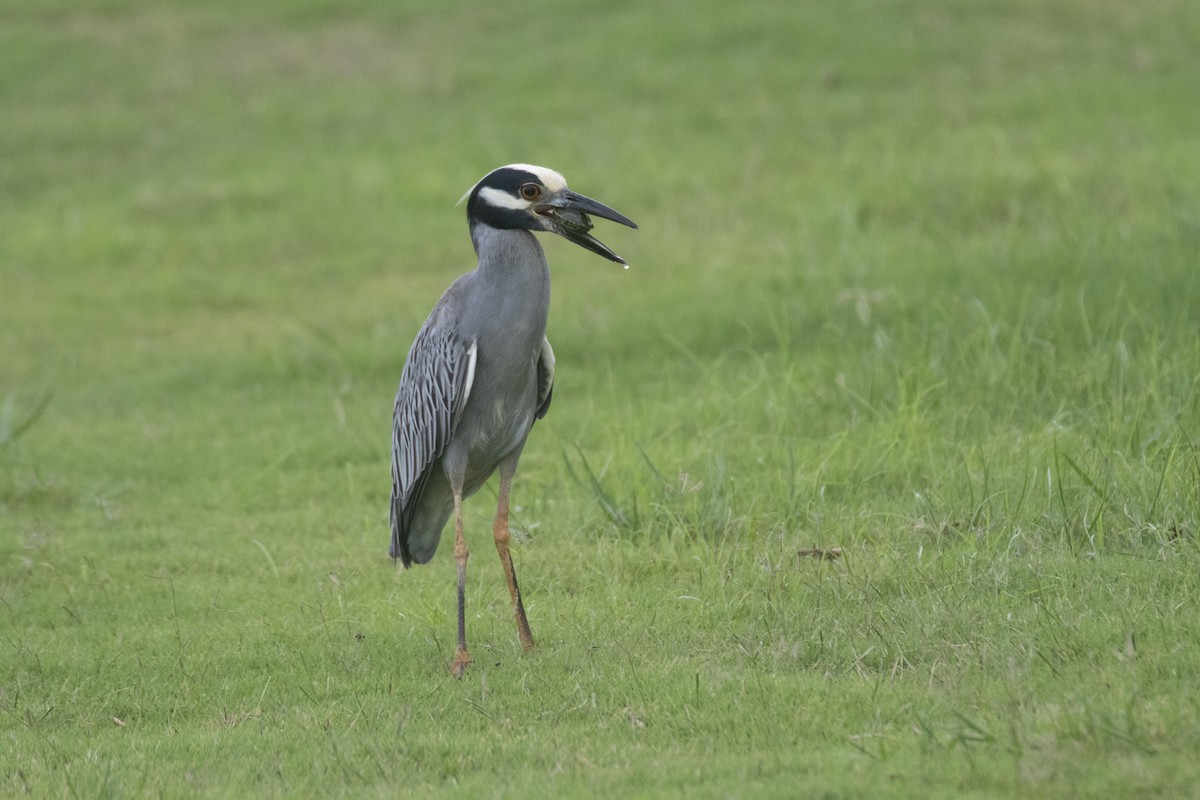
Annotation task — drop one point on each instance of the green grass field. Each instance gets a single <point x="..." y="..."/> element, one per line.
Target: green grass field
<point x="919" y="281"/>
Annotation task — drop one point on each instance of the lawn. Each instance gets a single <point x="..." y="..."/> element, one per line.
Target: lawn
<point x="877" y="474"/>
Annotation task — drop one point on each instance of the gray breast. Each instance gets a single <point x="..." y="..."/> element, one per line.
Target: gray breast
<point x="496" y="422"/>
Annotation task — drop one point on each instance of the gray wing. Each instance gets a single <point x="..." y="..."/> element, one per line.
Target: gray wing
<point x="545" y="374"/>
<point x="433" y="390"/>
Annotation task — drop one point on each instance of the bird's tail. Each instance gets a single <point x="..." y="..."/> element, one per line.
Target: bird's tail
<point x="397" y="549"/>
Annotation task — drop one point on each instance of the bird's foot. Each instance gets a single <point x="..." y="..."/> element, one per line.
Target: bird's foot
<point x="460" y="663"/>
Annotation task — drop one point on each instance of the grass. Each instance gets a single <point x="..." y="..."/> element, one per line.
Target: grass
<point x="916" y="284"/>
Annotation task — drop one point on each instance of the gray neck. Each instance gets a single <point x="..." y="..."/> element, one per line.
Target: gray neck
<point x="503" y="251"/>
<point x="516" y="279"/>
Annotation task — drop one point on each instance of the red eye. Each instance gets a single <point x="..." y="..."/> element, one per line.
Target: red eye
<point x="530" y="191"/>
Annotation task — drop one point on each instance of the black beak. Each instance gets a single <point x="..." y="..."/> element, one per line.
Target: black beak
<point x="566" y="214"/>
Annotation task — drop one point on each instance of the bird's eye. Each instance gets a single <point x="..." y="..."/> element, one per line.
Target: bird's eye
<point x="530" y="191"/>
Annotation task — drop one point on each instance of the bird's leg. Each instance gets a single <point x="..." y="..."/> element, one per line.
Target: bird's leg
<point x="500" y="531"/>
<point x="461" y="657"/>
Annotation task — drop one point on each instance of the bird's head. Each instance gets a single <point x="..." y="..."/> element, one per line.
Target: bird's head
<point x="526" y="197"/>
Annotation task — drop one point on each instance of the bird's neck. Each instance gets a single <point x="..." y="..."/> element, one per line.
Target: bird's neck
<point x="508" y="255"/>
<point x="514" y="276"/>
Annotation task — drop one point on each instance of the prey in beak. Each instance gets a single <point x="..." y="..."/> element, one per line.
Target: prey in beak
<point x="566" y="213"/>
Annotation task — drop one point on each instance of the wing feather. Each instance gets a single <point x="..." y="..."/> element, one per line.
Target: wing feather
<point x="545" y="374"/>
<point x="433" y="391"/>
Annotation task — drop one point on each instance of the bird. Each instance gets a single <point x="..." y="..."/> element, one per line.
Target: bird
<point x="480" y="372"/>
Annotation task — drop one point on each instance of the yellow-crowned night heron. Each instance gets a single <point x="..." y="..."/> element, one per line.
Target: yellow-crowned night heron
<point x="481" y="371"/>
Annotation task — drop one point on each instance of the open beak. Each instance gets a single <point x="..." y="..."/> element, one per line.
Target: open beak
<point x="566" y="213"/>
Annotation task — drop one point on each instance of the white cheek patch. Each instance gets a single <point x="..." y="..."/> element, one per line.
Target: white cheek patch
<point x="500" y="199"/>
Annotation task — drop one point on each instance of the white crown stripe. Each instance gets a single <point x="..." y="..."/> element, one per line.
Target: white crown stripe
<point x="553" y="181"/>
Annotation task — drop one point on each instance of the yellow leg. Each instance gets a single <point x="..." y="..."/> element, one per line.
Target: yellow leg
<point x="461" y="657"/>
<point x="500" y="531"/>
